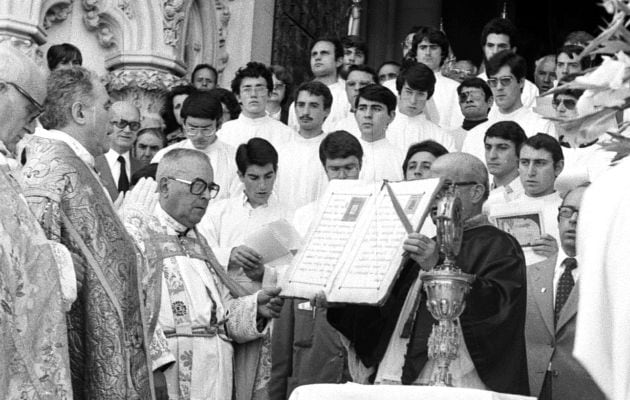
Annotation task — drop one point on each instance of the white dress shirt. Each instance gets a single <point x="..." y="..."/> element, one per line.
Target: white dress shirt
<point x="114" y="165"/>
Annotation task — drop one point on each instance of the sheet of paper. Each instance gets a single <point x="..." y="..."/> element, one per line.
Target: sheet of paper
<point x="273" y="240"/>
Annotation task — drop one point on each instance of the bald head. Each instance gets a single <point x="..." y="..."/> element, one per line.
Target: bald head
<point x="464" y="168"/>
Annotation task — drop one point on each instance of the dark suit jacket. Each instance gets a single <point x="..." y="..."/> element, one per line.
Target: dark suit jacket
<point x="547" y="343"/>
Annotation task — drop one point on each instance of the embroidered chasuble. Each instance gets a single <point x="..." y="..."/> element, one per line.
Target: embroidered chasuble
<point x="108" y="346"/>
<point x="193" y="318"/>
<point x="34" y="355"/>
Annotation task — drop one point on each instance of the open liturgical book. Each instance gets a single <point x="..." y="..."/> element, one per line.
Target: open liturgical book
<point x="353" y="249"/>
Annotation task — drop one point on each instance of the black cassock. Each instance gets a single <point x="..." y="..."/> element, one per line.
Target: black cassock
<point x="493" y="322"/>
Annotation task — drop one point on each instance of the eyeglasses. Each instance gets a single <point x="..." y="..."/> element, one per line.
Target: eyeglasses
<point x="256" y="89"/>
<point x="123" y="123"/>
<point x="38" y="106"/>
<point x="504" y="81"/>
<point x="199" y="130"/>
<point x="348" y="169"/>
<point x="198" y="186"/>
<point x="278" y="86"/>
<point x="567" y="211"/>
<point x="473" y="95"/>
<point x="569" y="104"/>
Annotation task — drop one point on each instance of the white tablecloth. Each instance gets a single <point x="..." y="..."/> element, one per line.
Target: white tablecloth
<point x="354" y="391"/>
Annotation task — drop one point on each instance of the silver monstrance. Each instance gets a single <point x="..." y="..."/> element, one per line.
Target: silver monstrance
<point x="446" y="286"/>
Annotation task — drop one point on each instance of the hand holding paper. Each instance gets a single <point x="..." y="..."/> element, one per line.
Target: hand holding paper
<point x="545" y="246"/>
<point x="242" y="257"/>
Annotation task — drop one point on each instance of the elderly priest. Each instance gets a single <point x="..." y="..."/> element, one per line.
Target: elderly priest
<point x="197" y="310"/>
<point x="390" y="342"/>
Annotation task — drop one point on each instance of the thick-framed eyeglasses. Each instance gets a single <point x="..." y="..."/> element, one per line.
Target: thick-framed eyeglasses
<point x="504" y="81"/>
<point x="199" y="130"/>
<point x="569" y="104"/>
<point x="567" y="211"/>
<point x="466" y="183"/>
<point x="23" y="92"/>
<point x="471" y="94"/>
<point x="346" y="170"/>
<point x="123" y="123"/>
<point x="198" y="186"/>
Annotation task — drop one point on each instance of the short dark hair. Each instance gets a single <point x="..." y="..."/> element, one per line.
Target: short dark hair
<point x="418" y="77"/>
<point x="430" y="146"/>
<point x="366" y="69"/>
<point x="432" y="35"/>
<point x="355" y="41"/>
<point x="316" y="88"/>
<point x="574" y="50"/>
<point x="202" y="105"/>
<point x="251" y="70"/>
<point x="542" y="141"/>
<point x="167" y="109"/>
<point x="475" y="82"/>
<point x="63" y="53"/>
<point x="340" y="144"/>
<point x="226" y="97"/>
<point x="388" y="62"/>
<point x="517" y="64"/>
<point x="507" y="130"/>
<point x="204" y="66"/>
<point x="256" y="151"/>
<point x="581" y="38"/>
<point x="379" y="94"/>
<point x="500" y="26"/>
<point x="330" y="39"/>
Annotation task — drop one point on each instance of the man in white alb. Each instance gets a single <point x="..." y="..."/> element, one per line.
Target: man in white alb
<point x="300" y="177"/>
<point x="201" y="116"/>
<point x="252" y="85"/>
<point x="359" y="76"/>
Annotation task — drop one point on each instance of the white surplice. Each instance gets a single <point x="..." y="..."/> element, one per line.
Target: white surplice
<point x="603" y="322"/>
<point x="474" y="141"/>
<point x="446" y="101"/>
<point x="531" y="122"/>
<point x="582" y="164"/>
<point x="228" y="222"/>
<point x="301" y="176"/>
<point x="348" y="124"/>
<point x="221" y="157"/>
<point x="381" y="160"/>
<point x="212" y="357"/>
<point x="404" y="131"/>
<point x="240" y="130"/>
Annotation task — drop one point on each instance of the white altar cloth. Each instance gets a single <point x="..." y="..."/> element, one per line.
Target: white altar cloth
<point x="354" y="391"/>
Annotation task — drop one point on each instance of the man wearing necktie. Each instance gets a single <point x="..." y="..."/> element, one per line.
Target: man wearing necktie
<point x="552" y="300"/>
<point x="124" y="125"/>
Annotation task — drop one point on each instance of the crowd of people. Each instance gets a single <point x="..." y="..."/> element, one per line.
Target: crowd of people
<point x="124" y="269"/>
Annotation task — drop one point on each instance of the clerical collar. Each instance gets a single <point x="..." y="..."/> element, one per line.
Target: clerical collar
<point x="566" y="144"/>
<point x="468" y="124"/>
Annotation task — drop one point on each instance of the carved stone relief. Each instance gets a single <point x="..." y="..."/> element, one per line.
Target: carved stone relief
<point x="223" y="17"/>
<point x="57" y="13"/>
<point x="94" y="19"/>
<point x="174" y="14"/>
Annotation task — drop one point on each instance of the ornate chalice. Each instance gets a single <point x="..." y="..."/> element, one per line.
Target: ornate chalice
<point x="446" y="287"/>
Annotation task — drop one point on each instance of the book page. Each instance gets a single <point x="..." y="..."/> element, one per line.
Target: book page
<point x="335" y="223"/>
<point x="374" y="262"/>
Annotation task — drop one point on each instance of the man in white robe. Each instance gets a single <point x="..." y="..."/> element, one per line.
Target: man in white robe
<point x="326" y="57"/>
<point x="506" y="72"/>
<point x="359" y="76"/>
<point x="500" y="34"/>
<point x="415" y="86"/>
<point x="376" y="109"/>
<point x="252" y="86"/>
<point x="503" y="143"/>
<point x="300" y="178"/>
<point x="193" y="305"/>
<point x="540" y="163"/>
<point x="201" y="116"/>
<point x="430" y="47"/>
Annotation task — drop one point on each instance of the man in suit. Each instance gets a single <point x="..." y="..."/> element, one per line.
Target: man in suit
<point x="552" y="300"/>
<point x="124" y="126"/>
